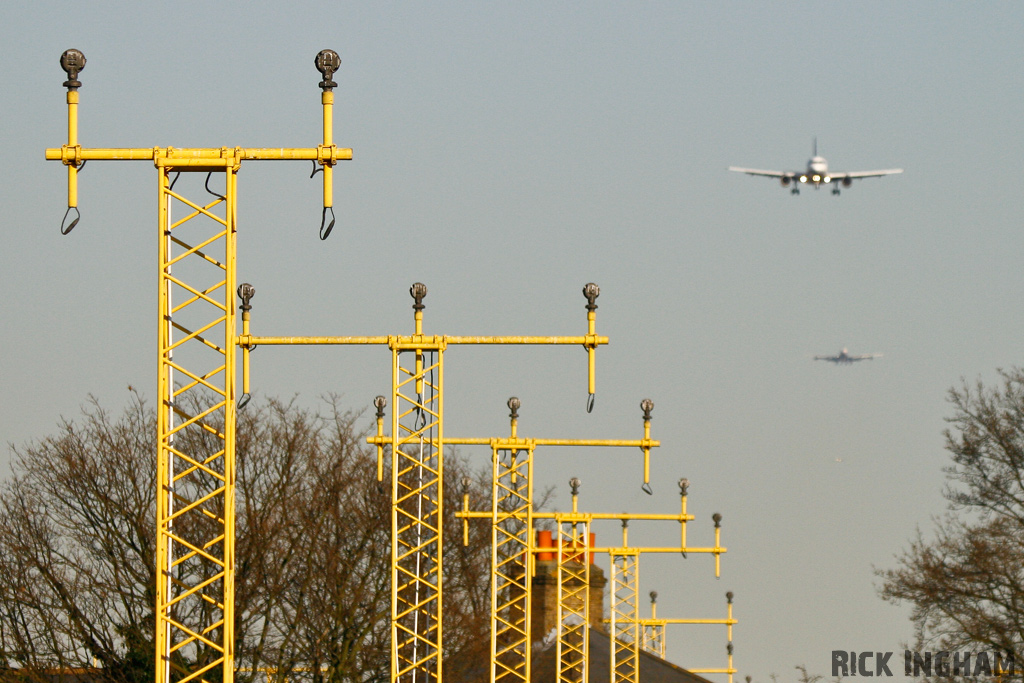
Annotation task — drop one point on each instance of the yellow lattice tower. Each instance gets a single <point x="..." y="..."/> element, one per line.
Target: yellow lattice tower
<point x="574" y="577"/>
<point x="511" y="517"/>
<point x="625" y="625"/>
<point x="196" y="414"/>
<point x="416" y="445"/>
<point x="654" y="632"/>
<point x="625" y="581"/>
<point x="196" y="376"/>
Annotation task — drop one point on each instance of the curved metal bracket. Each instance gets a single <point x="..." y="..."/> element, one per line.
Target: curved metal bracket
<point x="326" y="231"/>
<point x="207" y="185"/>
<point x="65" y="229"/>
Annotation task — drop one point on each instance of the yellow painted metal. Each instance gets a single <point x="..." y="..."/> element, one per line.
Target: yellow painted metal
<point x="196" y="386"/>
<point x="511" y="538"/>
<point x="653" y="630"/>
<point x="628" y="632"/>
<point x="72" y="153"/>
<point x="72" y="144"/>
<point x="625" y="636"/>
<point x="511" y="517"/>
<point x="418" y="341"/>
<point x="196" y="437"/>
<point x="196" y="433"/>
<point x="417" y="485"/>
<point x="654" y="635"/>
<point x="573" y="612"/>
<point x="328" y="151"/>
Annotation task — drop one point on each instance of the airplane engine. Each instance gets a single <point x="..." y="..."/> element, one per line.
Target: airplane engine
<point x="847" y="182"/>
<point x="785" y="181"/>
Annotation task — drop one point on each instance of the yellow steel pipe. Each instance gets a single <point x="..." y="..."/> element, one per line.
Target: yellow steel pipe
<point x="591" y="345"/>
<point x="516" y="443"/>
<point x="73" y="144"/>
<point x="72" y="153"/>
<point x="245" y="353"/>
<point x="411" y="342"/>
<point x="696" y="621"/>
<point x="585" y="516"/>
<point x="380" y="445"/>
<point x="327" y="99"/>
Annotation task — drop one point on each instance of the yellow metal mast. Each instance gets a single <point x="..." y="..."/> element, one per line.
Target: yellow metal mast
<point x="511" y="518"/>
<point x="416" y="446"/>
<point x="625" y="578"/>
<point x="654" y="633"/>
<point x="574" y="575"/>
<point x="573" y="610"/>
<point x="196" y="377"/>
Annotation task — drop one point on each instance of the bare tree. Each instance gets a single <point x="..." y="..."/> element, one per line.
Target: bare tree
<point x="966" y="585"/>
<point x="77" y="549"/>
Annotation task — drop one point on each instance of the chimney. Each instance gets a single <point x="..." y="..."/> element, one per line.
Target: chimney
<point x="544" y="598"/>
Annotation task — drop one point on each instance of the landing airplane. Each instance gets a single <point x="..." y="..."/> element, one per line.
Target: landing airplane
<point x="817" y="174"/>
<point x="844" y="357"/>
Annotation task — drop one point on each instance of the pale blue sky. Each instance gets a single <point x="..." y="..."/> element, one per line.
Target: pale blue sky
<point x="505" y="154"/>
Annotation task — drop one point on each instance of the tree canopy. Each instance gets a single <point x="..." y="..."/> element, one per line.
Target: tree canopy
<point x="77" y="549"/>
<point x="966" y="584"/>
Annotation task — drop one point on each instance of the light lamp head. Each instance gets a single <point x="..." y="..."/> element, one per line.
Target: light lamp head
<point x="327" y="62"/>
<point x="418" y="292"/>
<point x="72" y="61"/>
<point x="647" y="405"/>
<point x="591" y="291"/>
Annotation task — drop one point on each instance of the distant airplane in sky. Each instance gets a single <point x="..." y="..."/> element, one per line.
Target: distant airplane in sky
<point x="845" y="358"/>
<point x="817" y="174"/>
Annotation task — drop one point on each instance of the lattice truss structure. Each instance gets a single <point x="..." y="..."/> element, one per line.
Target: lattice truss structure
<point x="625" y="582"/>
<point x="197" y="348"/>
<point x="511" y="517"/>
<point x="512" y="524"/>
<point x="417" y="506"/>
<point x="195" y="425"/>
<point x="654" y="634"/>
<point x="198" y="341"/>
<point x="573" y="578"/>
<point x="573" y="616"/>
<point x="653" y="631"/>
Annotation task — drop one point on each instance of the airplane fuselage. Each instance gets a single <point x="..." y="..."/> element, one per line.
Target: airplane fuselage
<point x="817" y="174"/>
<point x="844" y="357"/>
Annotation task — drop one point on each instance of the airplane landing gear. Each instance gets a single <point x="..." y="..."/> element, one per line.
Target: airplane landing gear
<point x="835" y="191"/>
<point x="795" y="190"/>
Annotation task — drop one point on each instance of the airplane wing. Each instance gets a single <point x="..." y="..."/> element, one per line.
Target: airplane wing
<point x="839" y="175"/>
<point x="770" y="174"/>
<point x="866" y="356"/>
<point x="831" y="359"/>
